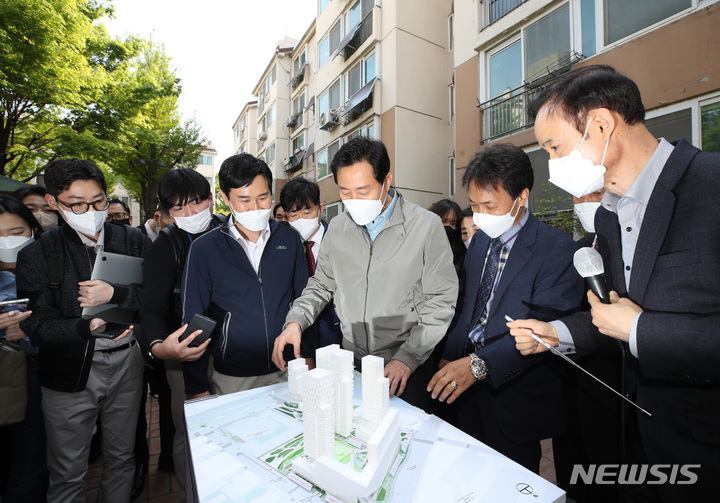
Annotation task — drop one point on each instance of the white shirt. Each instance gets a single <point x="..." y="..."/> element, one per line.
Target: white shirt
<point x="255" y="250"/>
<point x="150" y="233"/>
<point x="317" y="239"/>
<point x="99" y="246"/>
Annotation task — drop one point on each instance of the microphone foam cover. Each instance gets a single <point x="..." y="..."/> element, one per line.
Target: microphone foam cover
<point x="588" y="262"/>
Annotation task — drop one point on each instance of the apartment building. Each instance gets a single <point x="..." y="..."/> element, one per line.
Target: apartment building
<point x="363" y="67"/>
<point x="245" y="130"/>
<point x="206" y="165"/>
<point x="272" y="111"/>
<point x="506" y="51"/>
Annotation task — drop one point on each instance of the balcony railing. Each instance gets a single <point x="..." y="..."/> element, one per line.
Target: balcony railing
<point x="361" y="35"/>
<point x="492" y="10"/>
<point x="507" y="113"/>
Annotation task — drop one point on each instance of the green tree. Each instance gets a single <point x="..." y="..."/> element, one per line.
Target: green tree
<point x="44" y="70"/>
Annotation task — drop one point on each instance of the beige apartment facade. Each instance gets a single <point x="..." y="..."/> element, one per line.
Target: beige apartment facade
<point x="505" y="52"/>
<point x="371" y="68"/>
<point x="245" y="130"/>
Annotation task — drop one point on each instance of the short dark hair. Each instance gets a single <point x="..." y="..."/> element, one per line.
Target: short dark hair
<point x="276" y="208"/>
<point x="11" y="204"/>
<point x="240" y="170"/>
<point x="466" y="213"/>
<point x="178" y="186"/>
<point x="115" y="200"/>
<point x="443" y="206"/>
<point x="363" y="149"/>
<point x="299" y="193"/>
<point x="597" y="86"/>
<point x="61" y="173"/>
<point x="504" y="165"/>
<point x="33" y="190"/>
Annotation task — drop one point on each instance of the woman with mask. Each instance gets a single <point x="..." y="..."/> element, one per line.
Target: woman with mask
<point x="449" y="212"/>
<point x="22" y="462"/>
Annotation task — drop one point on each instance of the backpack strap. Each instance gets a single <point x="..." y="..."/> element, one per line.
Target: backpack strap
<point x="133" y="241"/>
<point x="54" y="251"/>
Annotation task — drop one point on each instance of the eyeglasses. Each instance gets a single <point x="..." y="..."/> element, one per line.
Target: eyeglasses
<point x="80" y="208"/>
<point x="117" y="216"/>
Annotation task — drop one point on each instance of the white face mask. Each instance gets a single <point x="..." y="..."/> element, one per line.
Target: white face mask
<point x="10" y="246"/>
<point x="467" y="243"/>
<point x="305" y="226"/>
<point x="364" y="211"/>
<point x="88" y="223"/>
<point x="586" y="214"/>
<point x="253" y="220"/>
<point x="577" y="174"/>
<point x="495" y="225"/>
<point x="46" y="220"/>
<point x="194" y="224"/>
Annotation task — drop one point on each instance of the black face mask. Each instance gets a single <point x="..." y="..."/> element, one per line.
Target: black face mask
<point x="284" y="222"/>
<point x="121" y="222"/>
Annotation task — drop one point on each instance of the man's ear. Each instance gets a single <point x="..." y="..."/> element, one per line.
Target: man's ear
<point x="603" y="124"/>
<point x="51" y="202"/>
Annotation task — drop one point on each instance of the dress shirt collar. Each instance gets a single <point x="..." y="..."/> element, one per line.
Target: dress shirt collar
<point x="508" y="238"/>
<point x="379" y="223"/>
<point x="235" y="233"/>
<point x="99" y="246"/>
<point x="641" y="188"/>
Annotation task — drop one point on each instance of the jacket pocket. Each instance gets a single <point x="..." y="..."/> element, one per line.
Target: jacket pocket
<point x="676" y="259"/>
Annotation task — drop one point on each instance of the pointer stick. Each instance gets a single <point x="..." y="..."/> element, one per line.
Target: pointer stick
<point x="564" y="357"/>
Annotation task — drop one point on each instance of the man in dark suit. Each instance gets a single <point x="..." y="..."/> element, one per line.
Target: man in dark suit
<point x="303" y="210"/>
<point x="519" y="267"/>
<point x="657" y="233"/>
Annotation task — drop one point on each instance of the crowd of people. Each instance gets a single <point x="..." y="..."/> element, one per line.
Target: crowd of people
<point x="427" y="290"/>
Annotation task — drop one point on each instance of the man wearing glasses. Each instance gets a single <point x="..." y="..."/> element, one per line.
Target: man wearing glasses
<point x="118" y="212"/>
<point x="82" y="375"/>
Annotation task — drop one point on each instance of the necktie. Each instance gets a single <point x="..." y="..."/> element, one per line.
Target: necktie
<point x="310" y="257"/>
<point x="486" y="285"/>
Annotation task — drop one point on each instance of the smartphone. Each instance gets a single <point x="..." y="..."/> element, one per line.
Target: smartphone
<point x="110" y="330"/>
<point x="199" y="322"/>
<point x="14" y="305"/>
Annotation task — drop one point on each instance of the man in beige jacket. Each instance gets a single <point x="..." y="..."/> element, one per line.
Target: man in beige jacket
<point x="388" y="266"/>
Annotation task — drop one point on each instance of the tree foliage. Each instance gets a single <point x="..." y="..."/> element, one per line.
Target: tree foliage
<point x="67" y="89"/>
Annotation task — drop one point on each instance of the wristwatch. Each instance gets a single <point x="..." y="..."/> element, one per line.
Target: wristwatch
<point x="150" y="353"/>
<point x="478" y="367"/>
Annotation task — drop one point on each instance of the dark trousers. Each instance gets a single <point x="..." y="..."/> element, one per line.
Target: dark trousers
<point x="23" y="465"/>
<point x="157" y="381"/>
<point x="416" y="392"/>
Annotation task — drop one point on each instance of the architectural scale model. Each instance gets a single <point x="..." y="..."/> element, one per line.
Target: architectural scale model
<point x="322" y="397"/>
<point x="296" y="369"/>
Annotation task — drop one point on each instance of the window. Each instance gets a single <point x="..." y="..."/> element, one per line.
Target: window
<point x="323" y="4"/>
<point x="205" y="160"/>
<point x="367" y="130"/>
<point x="451" y="102"/>
<point x="299" y="64"/>
<point x="270" y="153"/>
<point x="451" y="176"/>
<point x="622" y="19"/>
<point x="710" y="126"/>
<point x="298" y="143"/>
<point x="359" y="75"/>
<point x="269" y="118"/>
<point x="352" y="17"/>
<point x="323" y="54"/>
<point x="451" y="35"/>
<point x="331" y="98"/>
<point x="587" y="27"/>
<point x="324" y="159"/>
<point x="335" y="37"/>
<point x="671" y="126"/>
<point x="546" y="42"/>
<point x="210" y="180"/>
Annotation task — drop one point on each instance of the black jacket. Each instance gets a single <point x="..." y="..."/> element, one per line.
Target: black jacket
<point x="66" y="345"/>
<point x="249" y="307"/>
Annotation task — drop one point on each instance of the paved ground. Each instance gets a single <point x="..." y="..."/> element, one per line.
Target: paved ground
<point x="161" y="487"/>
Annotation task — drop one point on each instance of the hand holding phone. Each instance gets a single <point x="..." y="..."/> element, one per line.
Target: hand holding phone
<point x="14" y="305"/>
<point x="199" y="322"/>
<point x="110" y="329"/>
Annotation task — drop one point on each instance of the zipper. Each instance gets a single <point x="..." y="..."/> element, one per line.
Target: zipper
<point x="367" y="292"/>
<point x="262" y="300"/>
<point x="225" y="327"/>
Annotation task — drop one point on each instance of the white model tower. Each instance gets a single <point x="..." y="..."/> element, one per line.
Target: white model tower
<point x="296" y="368"/>
<point x="318" y="413"/>
<point x="375" y="391"/>
<point x="340" y="363"/>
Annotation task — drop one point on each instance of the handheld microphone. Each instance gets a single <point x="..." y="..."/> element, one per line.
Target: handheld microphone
<point x="589" y="264"/>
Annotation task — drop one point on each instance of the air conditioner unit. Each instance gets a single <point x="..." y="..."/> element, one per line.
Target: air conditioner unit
<point x="292" y="121"/>
<point x="329" y="120"/>
<point x="262" y="136"/>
